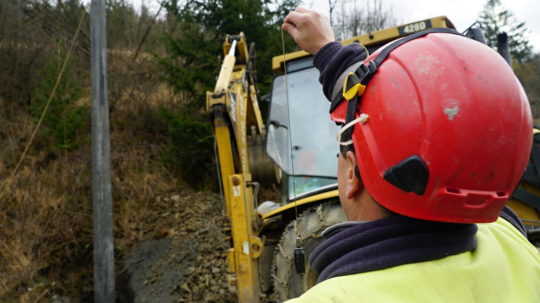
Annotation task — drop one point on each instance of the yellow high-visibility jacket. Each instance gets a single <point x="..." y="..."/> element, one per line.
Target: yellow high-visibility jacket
<point x="504" y="268"/>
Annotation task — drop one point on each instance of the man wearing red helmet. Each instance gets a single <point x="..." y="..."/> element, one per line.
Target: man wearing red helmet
<point x="436" y="133"/>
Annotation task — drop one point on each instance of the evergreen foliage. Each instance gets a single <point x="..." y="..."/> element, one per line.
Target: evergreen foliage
<point x="495" y="19"/>
<point x="529" y="75"/>
<point x="65" y="118"/>
<point x="190" y="147"/>
<point x="193" y="48"/>
<point x="192" y="64"/>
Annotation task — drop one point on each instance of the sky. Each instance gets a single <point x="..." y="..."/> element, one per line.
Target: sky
<point x="461" y="12"/>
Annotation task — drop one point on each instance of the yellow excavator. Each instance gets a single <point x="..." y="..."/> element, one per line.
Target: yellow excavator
<point x="290" y="149"/>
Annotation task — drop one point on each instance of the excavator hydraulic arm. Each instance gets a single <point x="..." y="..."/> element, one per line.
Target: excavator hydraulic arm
<point x="234" y="111"/>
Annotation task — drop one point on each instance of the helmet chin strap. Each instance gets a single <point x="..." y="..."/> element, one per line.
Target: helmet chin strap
<point x="363" y="118"/>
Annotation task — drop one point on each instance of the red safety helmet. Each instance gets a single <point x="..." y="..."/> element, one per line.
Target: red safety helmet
<point x="440" y="125"/>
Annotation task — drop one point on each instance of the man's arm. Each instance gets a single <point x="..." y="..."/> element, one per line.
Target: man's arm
<point x="333" y="60"/>
<point x="313" y="33"/>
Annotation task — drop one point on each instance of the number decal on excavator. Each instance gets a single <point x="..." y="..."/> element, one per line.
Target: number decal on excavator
<point x="414" y="27"/>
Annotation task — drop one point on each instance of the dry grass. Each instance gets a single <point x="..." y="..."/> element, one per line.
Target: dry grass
<point x="45" y="214"/>
<point x="46" y="221"/>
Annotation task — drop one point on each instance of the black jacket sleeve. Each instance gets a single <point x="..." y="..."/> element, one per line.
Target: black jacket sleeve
<point x="333" y="59"/>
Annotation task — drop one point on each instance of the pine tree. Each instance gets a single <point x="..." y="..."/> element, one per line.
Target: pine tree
<point x="197" y="29"/>
<point x="194" y="48"/>
<point x="495" y="19"/>
<point x="529" y="75"/>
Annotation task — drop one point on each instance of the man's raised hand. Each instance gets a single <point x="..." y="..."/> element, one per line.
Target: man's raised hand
<point x="309" y="29"/>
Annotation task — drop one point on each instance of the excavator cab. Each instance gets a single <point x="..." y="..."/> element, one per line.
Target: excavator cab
<point x="300" y="135"/>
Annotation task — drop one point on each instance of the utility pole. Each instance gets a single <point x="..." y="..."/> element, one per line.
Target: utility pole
<point x="101" y="161"/>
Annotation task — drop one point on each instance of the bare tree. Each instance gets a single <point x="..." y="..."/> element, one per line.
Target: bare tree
<point x="359" y="17"/>
<point x="331" y="7"/>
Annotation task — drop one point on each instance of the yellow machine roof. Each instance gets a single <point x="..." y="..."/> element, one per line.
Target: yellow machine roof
<point x="378" y="37"/>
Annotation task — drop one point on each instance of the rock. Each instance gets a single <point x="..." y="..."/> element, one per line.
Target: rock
<point x="60" y="299"/>
<point x="154" y="270"/>
<point x="187" y="263"/>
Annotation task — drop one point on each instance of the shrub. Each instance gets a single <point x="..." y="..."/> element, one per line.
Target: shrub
<point x="65" y="119"/>
<point x="189" y="152"/>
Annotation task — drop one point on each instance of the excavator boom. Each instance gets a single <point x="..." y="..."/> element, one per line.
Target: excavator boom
<point x="234" y="110"/>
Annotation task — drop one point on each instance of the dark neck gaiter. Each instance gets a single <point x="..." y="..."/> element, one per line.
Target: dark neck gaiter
<point x="389" y="242"/>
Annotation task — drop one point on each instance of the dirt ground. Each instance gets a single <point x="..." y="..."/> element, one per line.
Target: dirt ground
<point x="186" y="260"/>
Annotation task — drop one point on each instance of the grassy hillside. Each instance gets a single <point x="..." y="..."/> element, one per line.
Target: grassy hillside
<point x="162" y="159"/>
<point x="45" y="214"/>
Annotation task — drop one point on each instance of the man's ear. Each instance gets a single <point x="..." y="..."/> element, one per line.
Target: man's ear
<point x="354" y="183"/>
